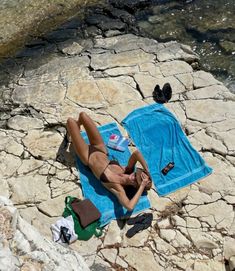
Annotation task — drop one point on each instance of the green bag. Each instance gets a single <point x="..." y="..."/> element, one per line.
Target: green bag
<point x="82" y="233"/>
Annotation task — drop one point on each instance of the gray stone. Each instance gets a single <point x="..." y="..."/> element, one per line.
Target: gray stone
<point x="180" y="241"/>
<point x="112" y="33"/>
<point x="209" y="265"/>
<point x="51" y="254"/>
<point x="39" y="220"/>
<point x="160" y="203"/>
<point x="201" y="139"/>
<point x="9" y="144"/>
<point x="174" y="51"/>
<point x="56" y="66"/>
<point x="8" y="261"/>
<point x="180" y="263"/>
<point x="168" y="234"/>
<point x="230" y="199"/>
<point x="178" y="196"/>
<point x="122" y="71"/>
<point x="175" y="67"/>
<point x="232" y="263"/>
<point x="86" y="93"/>
<point x="31" y="20"/>
<point x="119" y="43"/>
<point x="164" y="247"/>
<point x="228" y="139"/>
<point x="179" y="112"/>
<point x="117" y="92"/>
<point x="30" y="250"/>
<point x="29" y="165"/>
<point x="124" y="59"/>
<point x="100" y="264"/>
<point x="109" y="254"/>
<point x="43" y="145"/>
<point x="9" y="164"/>
<point x="113" y="235"/>
<point x="29" y="189"/>
<point x="150" y="68"/>
<point x="70" y="48"/>
<point x="187" y="80"/>
<point x="229" y="248"/>
<point x="224" y="188"/>
<point x="4" y="188"/>
<point x="87" y="249"/>
<point x="140" y="259"/>
<point x="120" y="111"/>
<point x="36" y="93"/>
<point x="112" y="78"/>
<point x="138" y="240"/>
<point x="54" y="207"/>
<point x="202" y="240"/>
<point x="20" y="243"/>
<point x="122" y="263"/>
<point x="220" y="210"/>
<point x="22" y="123"/>
<point x="178" y="221"/>
<point x="193" y="223"/>
<point x="210" y="110"/>
<point x="203" y="79"/>
<point x="218" y="165"/>
<point x="217" y="92"/>
<point x="147" y="83"/>
<point x="60" y="187"/>
<point x="228" y="46"/>
<point x="164" y="224"/>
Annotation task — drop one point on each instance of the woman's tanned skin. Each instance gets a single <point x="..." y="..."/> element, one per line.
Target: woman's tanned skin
<point x="98" y="161"/>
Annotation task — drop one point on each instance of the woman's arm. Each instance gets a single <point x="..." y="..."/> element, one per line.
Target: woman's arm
<point x="136" y="156"/>
<point x="129" y="204"/>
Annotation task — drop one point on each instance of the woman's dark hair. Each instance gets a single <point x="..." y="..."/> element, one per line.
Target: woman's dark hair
<point x="139" y="179"/>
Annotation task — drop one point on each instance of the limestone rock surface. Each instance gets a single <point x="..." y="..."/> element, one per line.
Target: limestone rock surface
<point x="108" y="76"/>
<point x="22" y="245"/>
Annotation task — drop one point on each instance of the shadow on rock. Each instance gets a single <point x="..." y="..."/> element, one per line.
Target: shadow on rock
<point x="66" y="154"/>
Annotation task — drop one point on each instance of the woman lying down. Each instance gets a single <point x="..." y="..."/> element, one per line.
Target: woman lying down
<point x="113" y="176"/>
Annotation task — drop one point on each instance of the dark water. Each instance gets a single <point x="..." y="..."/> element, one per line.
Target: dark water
<point x="207" y="26"/>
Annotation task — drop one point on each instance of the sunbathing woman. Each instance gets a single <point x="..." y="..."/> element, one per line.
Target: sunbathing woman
<point x="112" y="175"/>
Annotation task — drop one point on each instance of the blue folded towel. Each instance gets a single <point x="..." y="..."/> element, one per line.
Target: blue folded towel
<point x="160" y="138"/>
<point x="92" y="188"/>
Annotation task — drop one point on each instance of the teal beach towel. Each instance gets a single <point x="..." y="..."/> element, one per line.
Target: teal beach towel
<point x="160" y="138"/>
<point x="105" y="201"/>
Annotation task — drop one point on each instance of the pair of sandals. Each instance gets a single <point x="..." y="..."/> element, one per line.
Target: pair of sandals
<point x="140" y="222"/>
<point x="162" y="95"/>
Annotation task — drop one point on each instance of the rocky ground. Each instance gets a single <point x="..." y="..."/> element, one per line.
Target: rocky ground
<point x="108" y="76"/>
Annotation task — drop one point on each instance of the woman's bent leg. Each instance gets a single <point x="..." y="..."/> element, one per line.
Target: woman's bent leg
<point x="80" y="146"/>
<point x="92" y="131"/>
